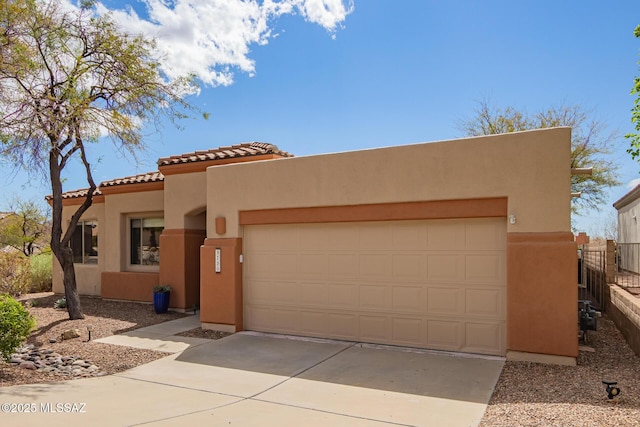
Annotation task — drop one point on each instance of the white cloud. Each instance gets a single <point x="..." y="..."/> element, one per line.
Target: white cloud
<point x="633" y="183"/>
<point x="212" y="38"/>
<point x="328" y="13"/>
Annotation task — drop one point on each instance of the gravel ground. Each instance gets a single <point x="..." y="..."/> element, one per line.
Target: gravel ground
<point x="527" y="394"/>
<point x="204" y="333"/>
<point x="530" y="394"/>
<point x="105" y="317"/>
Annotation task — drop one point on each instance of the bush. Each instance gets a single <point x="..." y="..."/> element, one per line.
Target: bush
<point x="15" y="325"/>
<point x="14" y="273"/>
<point x="41" y="272"/>
<point x="61" y="303"/>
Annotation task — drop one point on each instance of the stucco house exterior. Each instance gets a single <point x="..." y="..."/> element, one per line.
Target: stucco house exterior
<point x="461" y="245"/>
<point x="628" y="207"/>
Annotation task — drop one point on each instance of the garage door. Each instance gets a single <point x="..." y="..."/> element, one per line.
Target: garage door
<point x="437" y="284"/>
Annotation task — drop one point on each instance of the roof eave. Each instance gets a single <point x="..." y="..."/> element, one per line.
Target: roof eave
<point x="628" y="198"/>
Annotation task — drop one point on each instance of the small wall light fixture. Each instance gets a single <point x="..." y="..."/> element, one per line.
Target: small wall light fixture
<point x="512" y="219"/>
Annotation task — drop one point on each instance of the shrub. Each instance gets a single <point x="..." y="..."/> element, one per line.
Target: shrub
<point x="61" y="303"/>
<point x="161" y="288"/>
<point x="41" y="272"/>
<point x="15" y="325"/>
<point x="14" y="273"/>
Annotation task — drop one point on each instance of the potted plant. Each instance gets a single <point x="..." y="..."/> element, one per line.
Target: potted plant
<point x="161" y="295"/>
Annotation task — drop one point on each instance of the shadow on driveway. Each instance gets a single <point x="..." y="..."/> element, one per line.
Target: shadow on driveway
<point x="397" y="370"/>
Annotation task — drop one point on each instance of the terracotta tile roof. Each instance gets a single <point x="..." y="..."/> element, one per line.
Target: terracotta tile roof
<point x="135" y="179"/>
<point x="235" y="151"/>
<point x="240" y="150"/>
<point x="75" y="194"/>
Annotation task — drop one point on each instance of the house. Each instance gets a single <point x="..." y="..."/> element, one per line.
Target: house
<point x="628" y="207"/>
<point x="461" y="245"/>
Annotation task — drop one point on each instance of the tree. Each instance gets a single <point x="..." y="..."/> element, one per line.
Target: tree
<point x="590" y="143"/>
<point x="25" y="228"/>
<point x="634" y="138"/>
<point x="69" y="77"/>
<point x="606" y="228"/>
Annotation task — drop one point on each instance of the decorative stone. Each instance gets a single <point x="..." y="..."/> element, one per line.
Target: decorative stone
<point x="70" y="334"/>
<point x="46" y="360"/>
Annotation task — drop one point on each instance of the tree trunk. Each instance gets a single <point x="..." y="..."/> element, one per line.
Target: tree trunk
<point x="70" y="288"/>
<point x="59" y="244"/>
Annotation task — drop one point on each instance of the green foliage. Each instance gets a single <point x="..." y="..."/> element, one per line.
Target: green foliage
<point x="162" y="288"/>
<point x="41" y="275"/>
<point x="20" y="275"/>
<point x="61" y="303"/>
<point x="634" y="137"/>
<point x="591" y="145"/>
<point x="15" y="325"/>
<point x="69" y="76"/>
<point x="15" y="277"/>
<point x="25" y="228"/>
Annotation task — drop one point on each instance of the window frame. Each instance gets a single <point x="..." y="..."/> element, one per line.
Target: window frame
<point x="92" y="260"/>
<point x="127" y="253"/>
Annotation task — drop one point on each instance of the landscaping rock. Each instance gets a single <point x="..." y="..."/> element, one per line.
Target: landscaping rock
<point x="45" y="359"/>
<point x="28" y="365"/>
<point x="70" y="334"/>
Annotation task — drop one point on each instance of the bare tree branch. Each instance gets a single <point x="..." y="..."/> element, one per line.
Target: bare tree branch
<point x="68" y="76"/>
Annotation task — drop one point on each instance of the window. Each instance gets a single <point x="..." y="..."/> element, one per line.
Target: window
<point x="145" y="240"/>
<point x="84" y="242"/>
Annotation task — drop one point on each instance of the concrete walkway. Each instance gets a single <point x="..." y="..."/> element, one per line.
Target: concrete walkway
<point x="160" y="337"/>
<point x="250" y="379"/>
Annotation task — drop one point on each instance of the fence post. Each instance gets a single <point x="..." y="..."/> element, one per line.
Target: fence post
<point x="610" y="262"/>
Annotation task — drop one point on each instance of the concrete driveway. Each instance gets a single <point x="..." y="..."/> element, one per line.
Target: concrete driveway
<point x="251" y="379"/>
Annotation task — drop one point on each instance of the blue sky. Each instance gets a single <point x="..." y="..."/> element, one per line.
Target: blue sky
<point x="390" y="72"/>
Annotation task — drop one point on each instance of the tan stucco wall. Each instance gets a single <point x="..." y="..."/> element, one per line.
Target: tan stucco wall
<point x="87" y="275"/>
<point x="530" y="168"/>
<point x="188" y="199"/>
<point x="117" y="208"/>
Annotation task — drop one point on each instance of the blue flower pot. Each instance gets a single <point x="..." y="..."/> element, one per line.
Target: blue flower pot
<point x="161" y="301"/>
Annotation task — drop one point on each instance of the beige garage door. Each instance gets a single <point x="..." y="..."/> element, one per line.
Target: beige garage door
<point x="436" y="284"/>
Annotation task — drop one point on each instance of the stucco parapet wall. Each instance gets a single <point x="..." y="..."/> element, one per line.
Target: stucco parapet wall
<point x="531" y="169"/>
